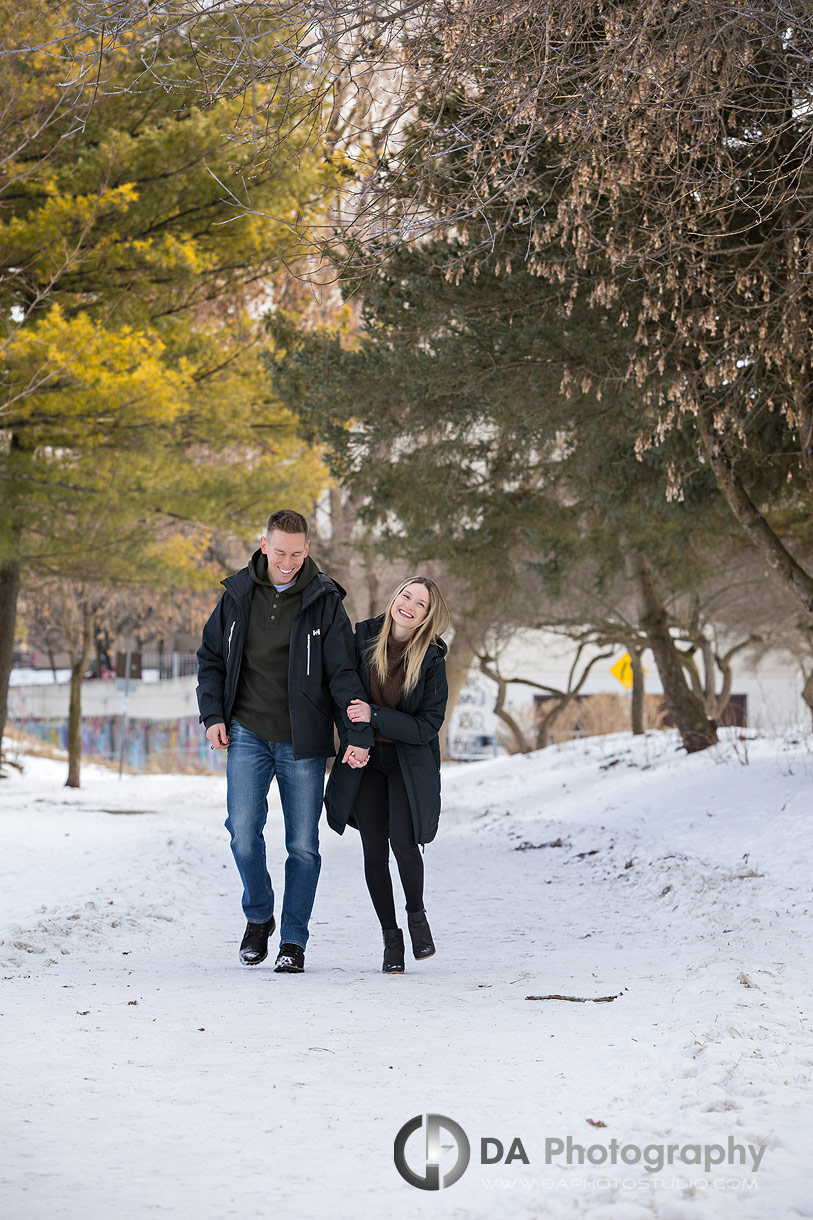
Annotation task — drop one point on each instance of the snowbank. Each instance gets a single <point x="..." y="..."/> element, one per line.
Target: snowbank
<point x="150" y="1075"/>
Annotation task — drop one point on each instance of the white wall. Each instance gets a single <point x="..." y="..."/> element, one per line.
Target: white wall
<point x="171" y="700"/>
<point x="773" y="686"/>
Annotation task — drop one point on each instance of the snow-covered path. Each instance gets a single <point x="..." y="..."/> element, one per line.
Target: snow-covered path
<point x="147" y="1074"/>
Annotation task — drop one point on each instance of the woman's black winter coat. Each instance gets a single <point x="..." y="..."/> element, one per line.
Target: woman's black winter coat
<point x="414" y="727"/>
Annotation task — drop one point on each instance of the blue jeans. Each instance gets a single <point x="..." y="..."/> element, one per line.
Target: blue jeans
<point x="251" y="765"/>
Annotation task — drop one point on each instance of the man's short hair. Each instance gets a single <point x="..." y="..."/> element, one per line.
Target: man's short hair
<point x="288" y="521"/>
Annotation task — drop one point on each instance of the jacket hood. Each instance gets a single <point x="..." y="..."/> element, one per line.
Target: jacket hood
<point x="316" y="584"/>
<point x="323" y="584"/>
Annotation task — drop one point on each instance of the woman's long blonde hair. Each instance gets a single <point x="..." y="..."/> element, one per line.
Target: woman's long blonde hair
<point x="436" y="622"/>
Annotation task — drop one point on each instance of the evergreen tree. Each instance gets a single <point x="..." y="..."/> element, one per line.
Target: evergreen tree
<point x="132" y="389"/>
<point x="447" y="421"/>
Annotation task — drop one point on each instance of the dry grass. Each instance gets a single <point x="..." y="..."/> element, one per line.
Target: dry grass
<point x="18" y="745"/>
<point x="591" y="716"/>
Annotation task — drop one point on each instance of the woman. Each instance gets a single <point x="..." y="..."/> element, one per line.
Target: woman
<point x="394" y="797"/>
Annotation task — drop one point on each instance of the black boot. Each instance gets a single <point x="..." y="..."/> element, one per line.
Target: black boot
<point x="254" y="945"/>
<point x="419" y="934"/>
<point x="290" y="959"/>
<point x="393" y="951"/>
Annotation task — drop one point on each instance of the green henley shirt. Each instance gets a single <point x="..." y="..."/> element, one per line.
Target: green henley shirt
<point x="261" y="704"/>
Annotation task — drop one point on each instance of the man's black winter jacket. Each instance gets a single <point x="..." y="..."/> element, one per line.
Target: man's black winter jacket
<point x="321" y="666"/>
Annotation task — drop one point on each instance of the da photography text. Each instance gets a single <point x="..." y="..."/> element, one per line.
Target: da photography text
<point x="440" y="1157"/>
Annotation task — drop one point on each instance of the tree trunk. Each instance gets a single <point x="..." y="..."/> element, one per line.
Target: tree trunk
<point x="458" y="663"/>
<point x="523" y="745"/>
<point x="9" y="593"/>
<point x="342" y="551"/>
<point x="789" y="572"/>
<point x="75" y="725"/>
<point x="548" y="722"/>
<point x="697" y="731"/>
<point x="79" y="663"/>
<point x="807" y="692"/>
<point x="637" y="691"/>
<point x="717" y="703"/>
<point x="9" y="590"/>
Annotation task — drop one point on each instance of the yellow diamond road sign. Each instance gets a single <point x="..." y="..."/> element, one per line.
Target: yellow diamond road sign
<point x="622" y="670"/>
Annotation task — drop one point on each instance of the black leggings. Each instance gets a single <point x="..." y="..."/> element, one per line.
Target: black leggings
<point x="383" y="816"/>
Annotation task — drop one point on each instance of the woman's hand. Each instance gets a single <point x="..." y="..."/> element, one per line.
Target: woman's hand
<point x="359" y="712"/>
<point x="356" y="757"/>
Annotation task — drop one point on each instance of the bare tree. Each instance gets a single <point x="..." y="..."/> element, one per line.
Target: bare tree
<point x="659" y="154"/>
<point x="560" y="698"/>
<point x="63" y="614"/>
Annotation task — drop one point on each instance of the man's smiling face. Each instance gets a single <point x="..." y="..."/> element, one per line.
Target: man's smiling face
<point x="286" y="554"/>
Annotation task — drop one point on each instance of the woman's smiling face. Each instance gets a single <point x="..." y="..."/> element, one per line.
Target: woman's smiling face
<point x="409" y="609"/>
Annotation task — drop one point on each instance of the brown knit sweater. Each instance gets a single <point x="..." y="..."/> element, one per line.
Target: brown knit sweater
<point x="390" y="692"/>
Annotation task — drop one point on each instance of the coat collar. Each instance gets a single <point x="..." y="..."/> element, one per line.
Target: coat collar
<point x="241" y="584"/>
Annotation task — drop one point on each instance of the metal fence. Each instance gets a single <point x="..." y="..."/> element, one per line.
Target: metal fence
<point x="164" y="665"/>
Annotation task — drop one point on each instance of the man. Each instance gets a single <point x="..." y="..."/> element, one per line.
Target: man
<point x="277" y="658"/>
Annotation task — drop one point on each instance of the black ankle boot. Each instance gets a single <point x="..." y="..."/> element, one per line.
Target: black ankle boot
<point x="421" y="937"/>
<point x="254" y="945"/>
<point x="393" y="951"/>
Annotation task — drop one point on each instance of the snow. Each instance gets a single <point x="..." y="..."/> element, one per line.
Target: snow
<point x="148" y="1074"/>
<point x="38" y="677"/>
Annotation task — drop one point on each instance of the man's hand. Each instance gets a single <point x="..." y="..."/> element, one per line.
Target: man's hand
<point x="218" y="737"/>
<point x="359" y="712"/>
<point x="356" y="756"/>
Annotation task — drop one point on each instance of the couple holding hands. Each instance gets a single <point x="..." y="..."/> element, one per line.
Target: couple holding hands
<point x="277" y="664"/>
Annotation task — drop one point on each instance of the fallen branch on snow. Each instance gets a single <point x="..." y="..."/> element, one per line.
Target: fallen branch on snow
<point x="578" y="999"/>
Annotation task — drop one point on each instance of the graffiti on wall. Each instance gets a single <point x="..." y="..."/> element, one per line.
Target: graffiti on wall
<point x="168" y="743"/>
<point x="471" y="731"/>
